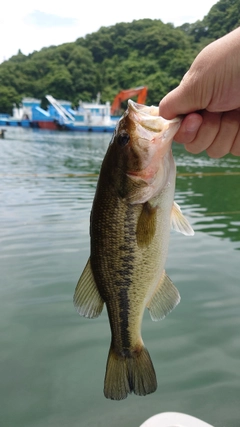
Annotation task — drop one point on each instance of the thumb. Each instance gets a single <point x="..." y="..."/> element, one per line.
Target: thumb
<point x="168" y="106"/>
<point x="180" y="100"/>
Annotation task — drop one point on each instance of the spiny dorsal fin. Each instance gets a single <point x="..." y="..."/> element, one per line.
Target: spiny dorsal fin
<point x="146" y="227"/>
<point x="179" y="222"/>
<point x="164" y="299"/>
<point x="86" y="298"/>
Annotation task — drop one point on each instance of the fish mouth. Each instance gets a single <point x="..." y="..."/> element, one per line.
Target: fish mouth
<point x="148" y="117"/>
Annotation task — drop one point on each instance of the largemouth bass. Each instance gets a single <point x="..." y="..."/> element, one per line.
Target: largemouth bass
<point x="132" y="213"/>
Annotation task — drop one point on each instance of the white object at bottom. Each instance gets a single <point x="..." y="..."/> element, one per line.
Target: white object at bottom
<point x="174" y="419"/>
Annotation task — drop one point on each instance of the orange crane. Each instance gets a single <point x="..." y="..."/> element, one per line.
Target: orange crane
<point x="126" y="94"/>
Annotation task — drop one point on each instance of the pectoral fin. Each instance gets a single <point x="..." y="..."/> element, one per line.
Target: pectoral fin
<point x="146" y="227"/>
<point x="86" y="298"/>
<point x="164" y="299"/>
<point x="179" y="222"/>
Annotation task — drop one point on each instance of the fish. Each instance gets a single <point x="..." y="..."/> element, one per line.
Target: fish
<point x="132" y="213"/>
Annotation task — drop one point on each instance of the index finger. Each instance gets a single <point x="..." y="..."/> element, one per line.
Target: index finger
<point x="189" y="128"/>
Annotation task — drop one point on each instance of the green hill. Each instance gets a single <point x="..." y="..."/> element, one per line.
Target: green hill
<point x="143" y="52"/>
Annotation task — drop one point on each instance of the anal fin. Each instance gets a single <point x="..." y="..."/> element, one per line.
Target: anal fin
<point x="164" y="299"/>
<point x="87" y="299"/>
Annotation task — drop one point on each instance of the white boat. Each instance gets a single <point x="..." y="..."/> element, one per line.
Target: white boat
<point x="174" y="419"/>
<point x="89" y="116"/>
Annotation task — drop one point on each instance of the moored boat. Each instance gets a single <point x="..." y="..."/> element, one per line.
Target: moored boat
<point x="88" y="117"/>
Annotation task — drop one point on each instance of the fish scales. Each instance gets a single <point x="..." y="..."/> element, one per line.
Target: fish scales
<point x="131" y="216"/>
<point x="118" y="261"/>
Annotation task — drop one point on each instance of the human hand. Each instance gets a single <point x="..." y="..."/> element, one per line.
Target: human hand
<point x="210" y="96"/>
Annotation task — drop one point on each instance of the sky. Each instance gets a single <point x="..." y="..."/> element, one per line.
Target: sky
<point x="30" y="25"/>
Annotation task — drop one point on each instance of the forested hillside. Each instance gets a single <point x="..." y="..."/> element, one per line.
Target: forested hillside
<point x="143" y="52"/>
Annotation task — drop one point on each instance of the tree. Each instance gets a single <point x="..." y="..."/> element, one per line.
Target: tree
<point x="8" y="97"/>
<point x="143" y="52"/>
<point x="59" y="83"/>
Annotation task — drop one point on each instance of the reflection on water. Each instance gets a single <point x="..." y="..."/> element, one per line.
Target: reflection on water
<point x="210" y="186"/>
<point x="52" y="362"/>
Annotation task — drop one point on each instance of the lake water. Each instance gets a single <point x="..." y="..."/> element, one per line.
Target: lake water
<point x="52" y="361"/>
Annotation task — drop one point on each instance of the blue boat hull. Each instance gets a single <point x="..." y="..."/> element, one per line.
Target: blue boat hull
<point x="84" y="128"/>
<point x="51" y="125"/>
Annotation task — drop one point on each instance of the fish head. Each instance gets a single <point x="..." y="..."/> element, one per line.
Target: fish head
<point x="140" y="152"/>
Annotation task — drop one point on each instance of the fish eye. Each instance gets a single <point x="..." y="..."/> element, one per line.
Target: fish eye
<point x="123" y="139"/>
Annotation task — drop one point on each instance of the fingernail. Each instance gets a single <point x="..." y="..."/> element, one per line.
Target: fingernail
<point x="192" y="126"/>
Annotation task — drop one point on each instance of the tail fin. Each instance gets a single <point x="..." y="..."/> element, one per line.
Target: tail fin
<point x="124" y="374"/>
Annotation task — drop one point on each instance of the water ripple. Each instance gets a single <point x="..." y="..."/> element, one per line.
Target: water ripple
<point x="52" y="360"/>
